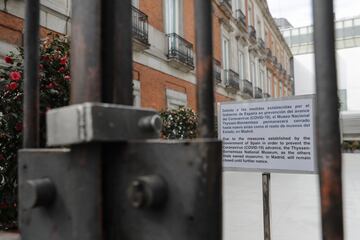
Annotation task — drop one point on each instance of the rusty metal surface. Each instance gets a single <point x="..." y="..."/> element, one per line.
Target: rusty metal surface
<point x="328" y="134"/>
<point x="86" y="51"/>
<point x="204" y="69"/>
<point x="266" y="205"/>
<point x="31" y="82"/>
<point x="192" y="173"/>
<point x="117" y="52"/>
<point x="100" y="122"/>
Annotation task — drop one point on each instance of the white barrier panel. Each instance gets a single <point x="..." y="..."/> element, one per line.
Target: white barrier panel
<point x="269" y="135"/>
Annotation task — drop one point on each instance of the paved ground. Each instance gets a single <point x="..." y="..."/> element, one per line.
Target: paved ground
<point x="295" y="204"/>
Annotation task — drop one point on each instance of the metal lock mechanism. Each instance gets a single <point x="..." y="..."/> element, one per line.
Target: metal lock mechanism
<point x="39" y="193"/>
<point x="148" y="192"/>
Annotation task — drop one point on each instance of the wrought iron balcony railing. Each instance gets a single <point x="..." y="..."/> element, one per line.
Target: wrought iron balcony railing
<point x="252" y="33"/>
<point x="268" y="53"/>
<point x="226" y="3"/>
<point x="274" y="60"/>
<point x="231" y="79"/>
<point x="217" y="71"/>
<point x="140" y="26"/>
<point x="180" y="50"/>
<point x="241" y="19"/>
<point x="261" y="44"/>
<point x="266" y="95"/>
<point x="247" y="87"/>
<point x="258" y="92"/>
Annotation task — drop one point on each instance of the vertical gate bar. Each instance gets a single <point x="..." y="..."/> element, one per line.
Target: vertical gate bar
<point x="118" y="88"/>
<point x="31" y="81"/>
<point x="328" y="134"/>
<point x="204" y="68"/>
<point x="117" y="52"/>
<point x="85" y="172"/>
<point x="86" y="51"/>
<point x="266" y="205"/>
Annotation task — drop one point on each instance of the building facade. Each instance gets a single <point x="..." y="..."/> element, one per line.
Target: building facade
<point x="251" y="58"/>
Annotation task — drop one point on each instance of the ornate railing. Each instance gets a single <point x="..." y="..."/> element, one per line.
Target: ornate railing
<point x="217" y="71"/>
<point x="140" y="26"/>
<point x="261" y="43"/>
<point x="258" y="92"/>
<point x="274" y="60"/>
<point x="247" y="87"/>
<point x="231" y="79"/>
<point x="266" y="95"/>
<point x="241" y="18"/>
<point x="180" y="49"/>
<point x="226" y="3"/>
<point x="252" y="33"/>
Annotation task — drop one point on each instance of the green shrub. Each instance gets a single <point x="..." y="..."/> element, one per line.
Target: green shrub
<point x="54" y="80"/>
<point x="179" y="123"/>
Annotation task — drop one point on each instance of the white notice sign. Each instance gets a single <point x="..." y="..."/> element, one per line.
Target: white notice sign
<point x="269" y="135"/>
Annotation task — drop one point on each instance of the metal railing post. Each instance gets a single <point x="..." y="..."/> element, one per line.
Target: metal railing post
<point x="31" y="79"/>
<point x="86" y="171"/>
<point x="328" y="134"/>
<point x="204" y="69"/>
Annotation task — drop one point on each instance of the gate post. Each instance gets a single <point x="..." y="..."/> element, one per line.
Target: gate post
<point x="328" y="133"/>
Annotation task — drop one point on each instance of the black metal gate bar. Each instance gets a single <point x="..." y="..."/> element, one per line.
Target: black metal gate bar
<point x="117" y="52"/>
<point x="328" y="134"/>
<point x="85" y="170"/>
<point x="31" y="82"/>
<point x="204" y="68"/>
<point x="86" y="51"/>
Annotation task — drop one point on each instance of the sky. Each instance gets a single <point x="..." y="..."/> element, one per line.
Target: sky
<point x="299" y="12"/>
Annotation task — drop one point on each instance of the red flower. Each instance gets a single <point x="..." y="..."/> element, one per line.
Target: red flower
<point x="67" y="78"/>
<point x="50" y="86"/>
<point x="41" y="67"/>
<point x="15" y="76"/>
<point x="63" y="60"/>
<point x="19" y="126"/>
<point x="45" y="58"/>
<point x="8" y="59"/>
<point x="61" y="70"/>
<point x="12" y="86"/>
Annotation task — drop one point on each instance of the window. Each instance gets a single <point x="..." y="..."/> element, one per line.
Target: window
<point x="253" y="72"/>
<point x="175" y="99"/>
<point x="136" y="93"/>
<point x="250" y="14"/>
<point x="262" y="80"/>
<point x="226" y="53"/>
<point x="242" y="66"/>
<point x="172" y="16"/>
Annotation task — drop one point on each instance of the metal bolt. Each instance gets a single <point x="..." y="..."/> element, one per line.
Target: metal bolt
<point x="38" y="193"/>
<point x="151" y="123"/>
<point x="147" y="192"/>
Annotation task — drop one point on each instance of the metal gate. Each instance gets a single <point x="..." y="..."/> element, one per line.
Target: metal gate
<point x="115" y="179"/>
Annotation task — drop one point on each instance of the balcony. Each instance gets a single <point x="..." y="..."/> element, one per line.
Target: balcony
<point x="261" y="44"/>
<point x="266" y="95"/>
<point x="231" y="80"/>
<point x="258" y="92"/>
<point x="279" y="67"/>
<point x="140" y="30"/>
<point x="217" y="71"/>
<point x="241" y="20"/>
<point x="247" y="88"/>
<point x="274" y="60"/>
<point x="180" y="52"/>
<point x="225" y="5"/>
<point x="252" y="34"/>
